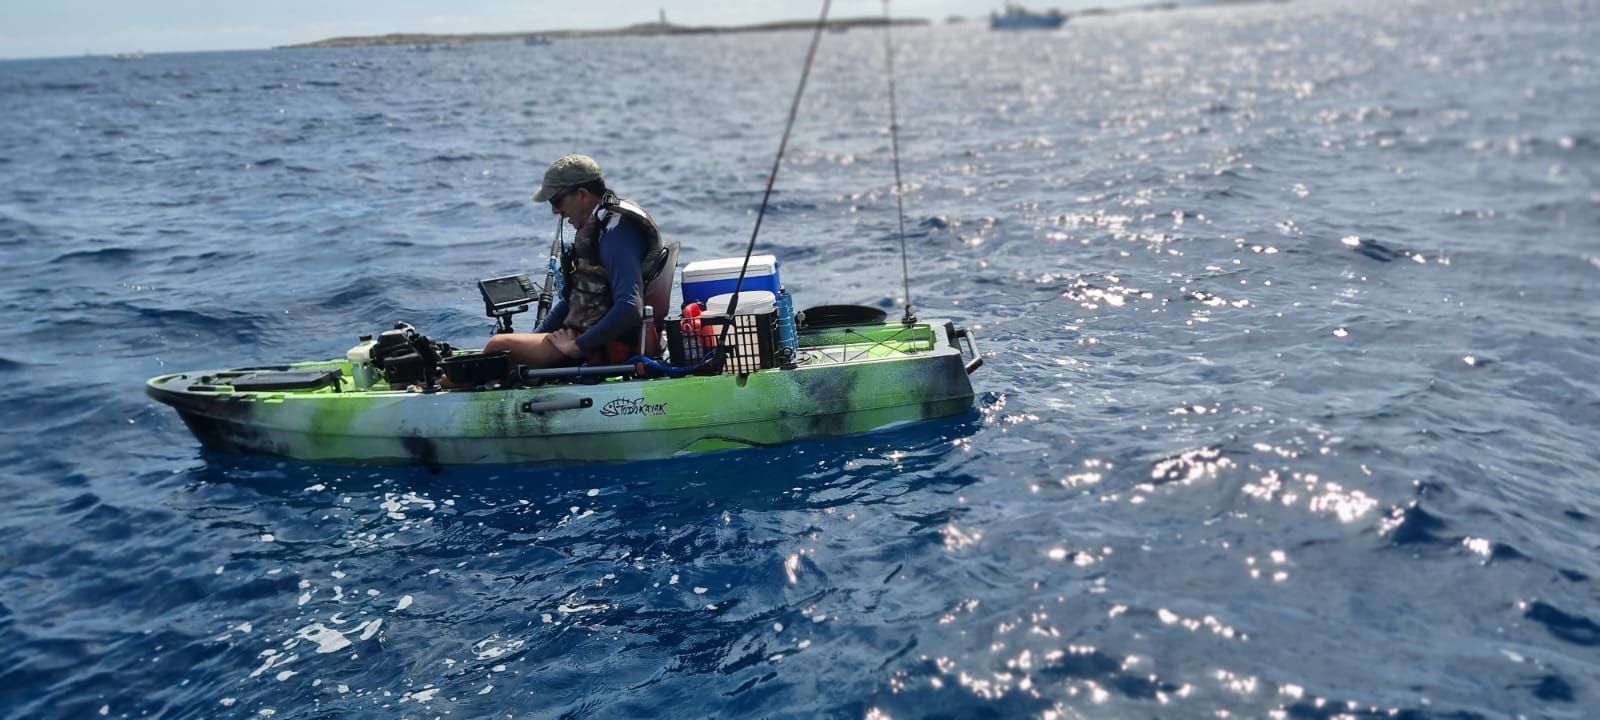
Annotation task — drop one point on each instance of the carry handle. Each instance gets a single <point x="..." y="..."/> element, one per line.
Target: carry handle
<point x="554" y="405"/>
<point x="958" y="334"/>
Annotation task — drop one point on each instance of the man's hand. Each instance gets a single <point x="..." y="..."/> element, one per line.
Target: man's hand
<point x="566" y="340"/>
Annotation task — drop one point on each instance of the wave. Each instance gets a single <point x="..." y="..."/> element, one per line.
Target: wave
<point x="1374" y="250"/>
<point x="359" y="293"/>
<point x="49" y="87"/>
<point x="1419" y="527"/>
<point x="239" y="326"/>
<point x="1575" y="629"/>
<point x="15" y="230"/>
<point x="113" y="256"/>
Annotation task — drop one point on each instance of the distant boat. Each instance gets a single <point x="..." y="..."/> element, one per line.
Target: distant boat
<point x="1017" y="17"/>
<point x="532" y="40"/>
<point x="128" y="56"/>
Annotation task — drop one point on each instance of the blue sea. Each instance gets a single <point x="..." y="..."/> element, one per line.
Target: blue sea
<point x="1290" y="405"/>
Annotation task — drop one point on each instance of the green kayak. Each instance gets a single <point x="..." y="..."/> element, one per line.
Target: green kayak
<point x="838" y="381"/>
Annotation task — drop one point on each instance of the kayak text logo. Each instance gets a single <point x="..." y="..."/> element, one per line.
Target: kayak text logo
<point x="637" y="406"/>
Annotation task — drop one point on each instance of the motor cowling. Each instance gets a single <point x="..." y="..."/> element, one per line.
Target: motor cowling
<point x="406" y="356"/>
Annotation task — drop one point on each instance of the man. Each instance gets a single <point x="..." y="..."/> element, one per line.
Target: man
<point x="597" y="318"/>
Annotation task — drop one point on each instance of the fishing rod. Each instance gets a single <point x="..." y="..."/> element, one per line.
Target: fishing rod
<point x="910" y="316"/>
<point x="547" y="294"/>
<point x="894" y="143"/>
<point x="794" y="110"/>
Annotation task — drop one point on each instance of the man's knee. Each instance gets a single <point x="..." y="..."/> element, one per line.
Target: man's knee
<point x="525" y="348"/>
<point x="498" y="343"/>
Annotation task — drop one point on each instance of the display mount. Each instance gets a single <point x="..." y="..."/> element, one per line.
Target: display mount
<point x="504" y="297"/>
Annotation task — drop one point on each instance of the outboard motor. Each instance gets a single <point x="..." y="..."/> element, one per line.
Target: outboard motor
<point x="406" y="356"/>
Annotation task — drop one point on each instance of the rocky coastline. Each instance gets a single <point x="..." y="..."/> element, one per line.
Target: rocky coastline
<point x="645" y="29"/>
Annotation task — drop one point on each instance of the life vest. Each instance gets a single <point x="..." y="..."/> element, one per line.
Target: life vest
<point x="587" y="282"/>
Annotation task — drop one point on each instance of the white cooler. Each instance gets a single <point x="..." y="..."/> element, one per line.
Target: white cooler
<point x="704" y="279"/>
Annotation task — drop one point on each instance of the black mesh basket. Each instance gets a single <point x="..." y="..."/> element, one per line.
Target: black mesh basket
<point x="752" y="343"/>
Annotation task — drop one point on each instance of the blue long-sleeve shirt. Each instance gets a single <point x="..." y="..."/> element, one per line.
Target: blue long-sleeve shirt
<point x="622" y="248"/>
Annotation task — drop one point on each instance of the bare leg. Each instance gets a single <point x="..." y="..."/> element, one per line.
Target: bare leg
<point x="532" y="349"/>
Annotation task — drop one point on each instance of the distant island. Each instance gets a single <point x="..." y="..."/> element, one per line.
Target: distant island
<point x="643" y="29"/>
<point x="431" y="40"/>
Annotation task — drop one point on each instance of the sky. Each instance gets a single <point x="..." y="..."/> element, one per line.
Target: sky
<point x="52" y="28"/>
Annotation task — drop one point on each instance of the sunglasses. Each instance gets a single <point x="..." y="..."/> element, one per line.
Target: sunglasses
<point x="555" y="200"/>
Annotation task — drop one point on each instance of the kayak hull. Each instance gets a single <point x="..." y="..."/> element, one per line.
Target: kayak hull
<point x="833" y="391"/>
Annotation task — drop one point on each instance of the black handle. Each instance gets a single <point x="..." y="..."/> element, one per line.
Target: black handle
<point x="972" y="345"/>
<point x="554" y="405"/>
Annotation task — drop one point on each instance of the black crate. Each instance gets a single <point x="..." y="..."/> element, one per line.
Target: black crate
<point x="752" y="343"/>
<point x="469" y="369"/>
<point x="270" y="381"/>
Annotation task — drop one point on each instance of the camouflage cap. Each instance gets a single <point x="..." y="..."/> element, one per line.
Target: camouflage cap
<point x="566" y="172"/>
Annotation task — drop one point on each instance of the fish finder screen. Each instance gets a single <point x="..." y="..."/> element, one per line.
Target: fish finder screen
<point x="503" y="293"/>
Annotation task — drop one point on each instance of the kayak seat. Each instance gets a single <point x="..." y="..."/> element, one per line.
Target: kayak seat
<point x="659" y="269"/>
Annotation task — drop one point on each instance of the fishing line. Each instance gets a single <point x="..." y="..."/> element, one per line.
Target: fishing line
<point x="894" y="143"/>
<point x="794" y="110"/>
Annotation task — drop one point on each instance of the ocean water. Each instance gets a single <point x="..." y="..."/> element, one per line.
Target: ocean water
<point x="1290" y="405"/>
